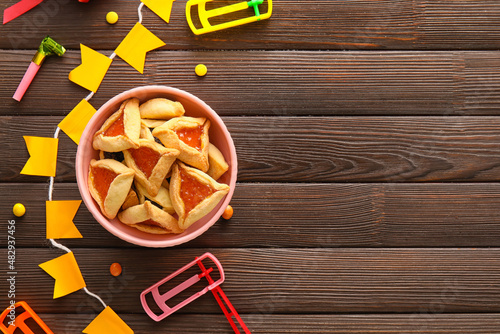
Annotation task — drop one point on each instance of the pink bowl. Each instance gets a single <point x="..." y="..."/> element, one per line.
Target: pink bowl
<point x="219" y="136"/>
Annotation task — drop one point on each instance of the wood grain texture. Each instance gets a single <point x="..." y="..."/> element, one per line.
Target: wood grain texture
<point x="304" y="24"/>
<point x="303" y="323"/>
<point x="282" y="281"/>
<point x="303" y="215"/>
<point x="316" y="149"/>
<point x="279" y="83"/>
<point x="368" y="154"/>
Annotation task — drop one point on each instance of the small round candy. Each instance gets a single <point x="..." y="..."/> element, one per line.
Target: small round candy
<point x="200" y="70"/>
<point x="228" y="212"/>
<point x="19" y="210"/>
<point x="115" y="269"/>
<point x="112" y="17"/>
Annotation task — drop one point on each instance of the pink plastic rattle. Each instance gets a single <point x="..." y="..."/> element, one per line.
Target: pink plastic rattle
<point x="48" y="47"/>
<point x="161" y="299"/>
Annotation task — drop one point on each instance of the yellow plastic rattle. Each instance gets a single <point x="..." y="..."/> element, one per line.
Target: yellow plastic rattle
<point x="204" y="15"/>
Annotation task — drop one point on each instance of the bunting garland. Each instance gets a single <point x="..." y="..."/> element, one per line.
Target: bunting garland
<point x="136" y="44"/>
<point x="74" y="123"/>
<point x="92" y="70"/>
<point x="59" y="217"/>
<point x="108" y="322"/>
<point x="67" y="274"/>
<point x="162" y="8"/>
<point x="43" y="158"/>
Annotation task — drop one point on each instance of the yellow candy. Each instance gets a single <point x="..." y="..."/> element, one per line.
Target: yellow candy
<point x="112" y="17"/>
<point x="19" y="210"/>
<point x="200" y="70"/>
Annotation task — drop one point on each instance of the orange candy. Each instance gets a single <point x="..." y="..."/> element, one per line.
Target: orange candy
<point x="228" y="212"/>
<point x="115" y="269"/>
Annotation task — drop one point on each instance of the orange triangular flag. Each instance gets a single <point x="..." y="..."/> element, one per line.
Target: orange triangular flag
<point x="136" y="44"/>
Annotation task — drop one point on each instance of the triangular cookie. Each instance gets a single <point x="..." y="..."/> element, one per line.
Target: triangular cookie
<point x="121" y="130"/>
<point x="190" y="136"/>
<point x="148" y="218"/>
<point x="193" y="193"/>
<point x="151" y="162"/>
<point x="161" y="108"/>
<point x="153" y="123"/>
<point x="131" y="200"/>
<point x="109" y="184"/>
<point x="162" y="198"/>
<point x="217" y="163"/>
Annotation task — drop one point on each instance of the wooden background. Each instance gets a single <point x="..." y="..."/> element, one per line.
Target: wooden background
<point x="368" y="142"/>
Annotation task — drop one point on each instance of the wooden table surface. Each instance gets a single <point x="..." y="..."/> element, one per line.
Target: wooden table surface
<point x="368" y="142"/>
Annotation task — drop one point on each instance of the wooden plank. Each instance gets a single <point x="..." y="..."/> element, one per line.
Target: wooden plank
<point x="305" y="24"/>
<point x="279" y="82"/>
<point x="281" y="281"/>
<point x="316" y="149"/>
<point x="304" y="323"/>
<point x="303" y="215"/>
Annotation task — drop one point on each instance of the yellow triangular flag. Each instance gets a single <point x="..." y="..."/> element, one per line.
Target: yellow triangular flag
<point x="136" y="44"/>
<point x="90" y="73"/>
<point x="108" y="322"/>
<point x="43" y="156"/>
<point x="162" y="8"/>
<point x="66" y="272"/>
<point x="74" y="123"/>
<point x="60" y="216"/>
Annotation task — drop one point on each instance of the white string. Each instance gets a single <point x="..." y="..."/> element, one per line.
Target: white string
<point x="60" y="246"/>
<point x="95" y="296"/>
<point x="89" y="96"/>
<point x="113" y="55"/>
<point x="55" y="243"/>
<point x="51" y="181"/>
<point x="139" y="11"/>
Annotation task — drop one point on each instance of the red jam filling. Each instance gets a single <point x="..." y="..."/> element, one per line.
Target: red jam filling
<point x="116" y="129"/>
<point x="192" y="191"/>
<point x="102" y="180"/>
<point x="145" y="158"/>
<point x="191" y="136"/>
